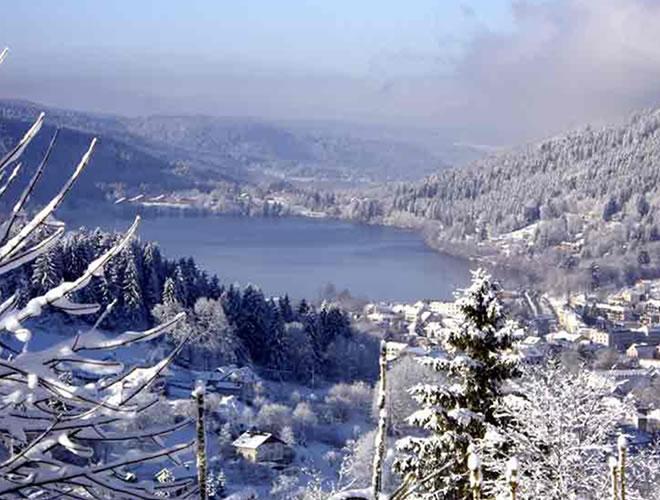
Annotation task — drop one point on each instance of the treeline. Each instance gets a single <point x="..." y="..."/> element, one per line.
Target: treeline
<point x="135" y="279"/>
<point x="225" y="324"/>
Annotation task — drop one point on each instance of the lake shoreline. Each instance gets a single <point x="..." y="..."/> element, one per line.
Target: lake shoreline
<point x="299" y="255"/>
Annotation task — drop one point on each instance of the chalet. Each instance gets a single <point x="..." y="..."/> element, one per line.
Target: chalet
<point x="226" y="381"/>
<point x="257" y="446"/>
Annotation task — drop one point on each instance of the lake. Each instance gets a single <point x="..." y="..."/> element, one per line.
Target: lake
<point x="299" y="256"/>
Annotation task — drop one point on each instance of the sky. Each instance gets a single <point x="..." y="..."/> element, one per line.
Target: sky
<point x="495" y="72"/>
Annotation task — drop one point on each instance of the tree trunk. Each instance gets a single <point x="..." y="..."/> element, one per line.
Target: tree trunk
<point x="198" y="395"/>
<point x="379" y="444"/>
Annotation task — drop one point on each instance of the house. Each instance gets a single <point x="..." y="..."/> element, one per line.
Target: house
<point x="563" y="338"/>
<point x="447" y="309"/>
<point x="651" y="314"/>
<point x="434" y="329"/>
<point x="164" y="476"/>
<point x="394" y="349"/>
<point x="641" y="351"/>
<point x="382" y="314"/>
<point x="569" y="319"/>
<point x="614" y="312"/>
<point x="532" y="350"/>
<point x="648" y="420"/>
<point x="225" y="380"/>
<point x="257" y="446"/>
<point x="647" y="355"/>
<point x="410" y="312"/>
<point x="621" y="337"/>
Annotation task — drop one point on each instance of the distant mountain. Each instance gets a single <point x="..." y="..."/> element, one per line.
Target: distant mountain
<point x="117" y="168"/>
<point x="271" y="150"/>
<point x="253" y="151"/>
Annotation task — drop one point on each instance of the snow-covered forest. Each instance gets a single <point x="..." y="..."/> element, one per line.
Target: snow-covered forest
<point x="226" y="323"/>
<point x="77" y="415"/>
<point x="586" y="198"/>
<point x="126" y="374"/>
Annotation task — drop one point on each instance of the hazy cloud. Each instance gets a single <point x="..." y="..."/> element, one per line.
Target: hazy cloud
<point x="566" y="63"/>
<point x="563" y="63"/>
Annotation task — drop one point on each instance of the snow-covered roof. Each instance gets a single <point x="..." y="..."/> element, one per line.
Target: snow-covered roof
<point x="244" y="374"/>
<point x="253" y="440"/>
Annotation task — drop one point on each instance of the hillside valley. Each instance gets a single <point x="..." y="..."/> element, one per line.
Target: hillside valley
<point x="204" y="152"/>
<point x="578" y="210"/>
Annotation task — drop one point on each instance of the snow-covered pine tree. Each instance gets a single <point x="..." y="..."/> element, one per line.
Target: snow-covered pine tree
<point x="132" y="291"/>
<point x="169" y="292"/>
<point x="47" y="271"/>
<point x="476" y="362"/>
<point x="153" y="263"/>
<point x="252" y="326"/>
<point x="182" y="283"/>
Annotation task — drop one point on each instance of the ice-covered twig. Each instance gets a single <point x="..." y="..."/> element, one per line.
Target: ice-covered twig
<point x="34" y="307"/>
<point x="16" y="152"/>
<point x="142" y="377"/>
<point x="43" y="480"/>
<point x="31" y="253"/>
<point x="25" y="195"/>
<point x="128" y="338"/>
<point x="16" y="242"/>
<point x="11" y="179"/>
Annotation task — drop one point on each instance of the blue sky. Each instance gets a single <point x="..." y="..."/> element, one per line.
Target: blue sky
<point x="341" y="36"/>
<point x="491" y="71"/>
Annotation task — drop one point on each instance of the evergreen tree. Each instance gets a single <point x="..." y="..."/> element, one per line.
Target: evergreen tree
<point x="277" y="356"/>
<point x="458" y="412"/>
<point x="252" y="326"/>
<point x="153" y="280"/>
<point x="47" y="270"/>
<point x="215" y="289"/>
<point x="169" y="292"/>
<point x="231" y="303"/>
<point x="132" y="292"/>
<point x="182" y="284"/>
<point x="285" y="309"/>
<point x="303" y="307"/>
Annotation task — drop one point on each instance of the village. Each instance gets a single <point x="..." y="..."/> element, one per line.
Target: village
<point x="620" y="334"/>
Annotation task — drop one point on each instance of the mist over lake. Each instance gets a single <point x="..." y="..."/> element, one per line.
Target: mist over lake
<point x="299" y="256"/>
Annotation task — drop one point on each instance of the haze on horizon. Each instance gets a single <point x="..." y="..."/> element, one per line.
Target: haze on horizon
<point x="480" y="71"/>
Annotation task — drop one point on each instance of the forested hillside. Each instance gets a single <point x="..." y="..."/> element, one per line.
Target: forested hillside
<point x="120" y="168"/>
<point x="227" y="324"/>
<point x="584" y="199"/>
<point x="212" y="150"/>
